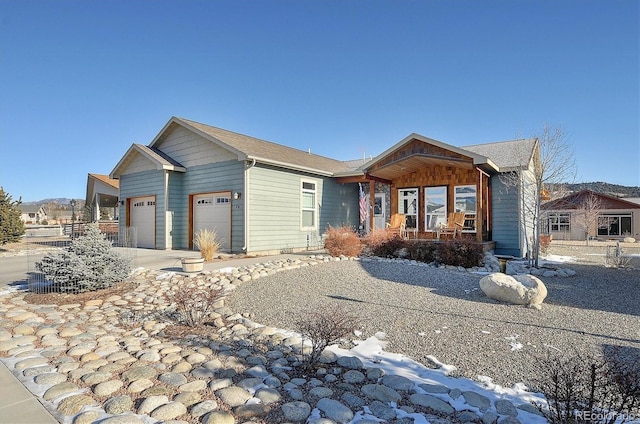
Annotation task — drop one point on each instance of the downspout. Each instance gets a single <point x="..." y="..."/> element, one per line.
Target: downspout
<point x="167" y="230"/>
<point x="246" y="205"/>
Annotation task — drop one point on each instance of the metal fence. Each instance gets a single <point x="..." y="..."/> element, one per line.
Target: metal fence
<point x="124" y="243"/>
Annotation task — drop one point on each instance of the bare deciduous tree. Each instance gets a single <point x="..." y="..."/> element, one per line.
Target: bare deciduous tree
<point x="586" y="215"/>
<point x="553" y="163"/>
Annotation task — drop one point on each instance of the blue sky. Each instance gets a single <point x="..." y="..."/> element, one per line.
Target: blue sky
<point x="82" y="80"/>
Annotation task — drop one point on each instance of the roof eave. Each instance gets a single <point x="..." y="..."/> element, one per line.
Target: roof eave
<point x="286" y="165"/>
<point x="159" y="165"/>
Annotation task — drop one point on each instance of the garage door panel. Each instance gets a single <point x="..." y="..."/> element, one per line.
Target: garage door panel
<point x="143" y="219"/>
<point x="213" y="211"/>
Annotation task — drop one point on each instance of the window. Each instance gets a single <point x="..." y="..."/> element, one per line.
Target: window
<point x="465" y="201"/>
<point x="408" y="205"/>
<point x="435" y="205"/>
<point x="614" y="225"/>
<point x="559" y="222"/>
<point x="308" y="210"/>
<point x="205" y="201"/>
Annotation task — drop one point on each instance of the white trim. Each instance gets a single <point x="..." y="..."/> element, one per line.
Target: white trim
<point x="315" y="205"/>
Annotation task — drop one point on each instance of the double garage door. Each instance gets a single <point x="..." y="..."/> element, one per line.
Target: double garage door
<point x="210" y="210"/>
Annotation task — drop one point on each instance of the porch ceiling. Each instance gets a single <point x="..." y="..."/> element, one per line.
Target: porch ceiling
<point x="414" y="163"/>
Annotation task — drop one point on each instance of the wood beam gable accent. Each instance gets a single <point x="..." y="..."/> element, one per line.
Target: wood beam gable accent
<point x="365" y="178"/>
<point x="415" y="155"/>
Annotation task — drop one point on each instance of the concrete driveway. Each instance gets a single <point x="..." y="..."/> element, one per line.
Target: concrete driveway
<point x="15" y="270"/>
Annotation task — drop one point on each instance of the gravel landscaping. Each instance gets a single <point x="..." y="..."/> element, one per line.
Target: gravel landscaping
<point x="441" y="312"/>
<point x="117" y="356"/>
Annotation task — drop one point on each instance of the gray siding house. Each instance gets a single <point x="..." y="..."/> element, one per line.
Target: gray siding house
<point x="257" y="195"/>
<point x="263" y="197"/>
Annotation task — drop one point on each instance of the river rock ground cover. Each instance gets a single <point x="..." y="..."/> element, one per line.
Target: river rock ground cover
<point x="114" y="354"/>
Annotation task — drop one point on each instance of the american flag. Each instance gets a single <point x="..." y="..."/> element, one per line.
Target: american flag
<point x="364" y="208"/>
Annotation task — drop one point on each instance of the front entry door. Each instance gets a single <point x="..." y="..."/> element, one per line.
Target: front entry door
<point x="379" y="216"/>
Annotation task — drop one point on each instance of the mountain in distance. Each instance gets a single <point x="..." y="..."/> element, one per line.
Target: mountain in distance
<point x="62" y="201"/>
<point x="598" y="187"/>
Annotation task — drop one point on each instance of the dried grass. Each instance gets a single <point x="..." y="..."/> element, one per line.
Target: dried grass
<point x="207" y="242"/>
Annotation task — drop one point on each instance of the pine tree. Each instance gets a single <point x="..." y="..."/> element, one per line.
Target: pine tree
<point x="88" y="264"/>
<point x="11" y="226"/>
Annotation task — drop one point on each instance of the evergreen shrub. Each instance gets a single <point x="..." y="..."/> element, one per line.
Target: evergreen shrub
<point x="11" y="225"/>
<point x="88" y="264"/>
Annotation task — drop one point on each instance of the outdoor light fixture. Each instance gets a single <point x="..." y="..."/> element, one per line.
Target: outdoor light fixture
<point x="236" y="195"/>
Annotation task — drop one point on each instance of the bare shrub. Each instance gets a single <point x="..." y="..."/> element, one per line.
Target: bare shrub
<point x="462" y="252"/>
<point x="581" y="386"/>
<point x="324" y="327"/>
<point x="545" y="243"/>
<point x="377" y="238"/>
<point x="194" y="304"/>
<point x="206" y="241"/>
<point x="616" y="257"/>
<point x="342" y="241"/>
<point x="422" y="251"/>
<point x="385" y="244"/>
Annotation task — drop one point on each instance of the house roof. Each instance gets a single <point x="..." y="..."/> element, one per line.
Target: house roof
<point x="105" y="179"/>
<point x="158" y="158"/>
<point x="481" y="156"/>
<point x="106" y="187"/>
<point x="492" y="157"/>
<point x="507" y="155"/>
<point x="251" y="148"/>
<point x="575" y="200"/>
<point x="34" y="208"/>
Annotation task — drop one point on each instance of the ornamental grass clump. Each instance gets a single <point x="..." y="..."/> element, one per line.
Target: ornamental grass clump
<point x="88" y="264"/>
<point x="207" y="242"/>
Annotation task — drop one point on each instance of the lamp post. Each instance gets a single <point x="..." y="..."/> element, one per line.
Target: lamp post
<point x="73" y="216"/>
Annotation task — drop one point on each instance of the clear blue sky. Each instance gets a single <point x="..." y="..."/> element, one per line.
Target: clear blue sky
<point x="82" y="80"/>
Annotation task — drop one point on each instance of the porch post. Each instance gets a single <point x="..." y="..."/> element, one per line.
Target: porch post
<point x="372" y="202"/>
<point x="480" y="213"/>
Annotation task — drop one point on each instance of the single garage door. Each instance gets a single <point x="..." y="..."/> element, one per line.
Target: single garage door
<point x="143" y="219"/>
<point x="213" y="211"/>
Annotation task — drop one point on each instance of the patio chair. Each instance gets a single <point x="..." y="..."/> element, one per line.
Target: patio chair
<point x="454" y="225"/>
<point x="397" y="225"/>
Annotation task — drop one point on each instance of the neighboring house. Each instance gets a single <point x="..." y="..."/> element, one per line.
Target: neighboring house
<point x="102" y="197"/>
<point x="262" y="197"/>
<point x="32" y="214"/>
<point x="613" y="219"/>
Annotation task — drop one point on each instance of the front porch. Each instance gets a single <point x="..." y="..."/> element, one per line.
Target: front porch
<point x="425" y="181"/>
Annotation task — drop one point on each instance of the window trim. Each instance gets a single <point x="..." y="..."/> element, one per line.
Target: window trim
<point x="400" y="205"/>
<point x="426" y="203"/>
<point x="554" y="219"/>
<point x="619" y="216"/>
<point x="470" y="216"/>
<point x="313" y="191"/>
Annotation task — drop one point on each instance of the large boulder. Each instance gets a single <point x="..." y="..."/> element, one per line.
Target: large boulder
<point x="523" y="289"/>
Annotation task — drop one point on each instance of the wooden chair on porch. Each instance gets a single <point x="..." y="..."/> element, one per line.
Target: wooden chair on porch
<point x="454" y="225"/>
<point x="397" y="225"/>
